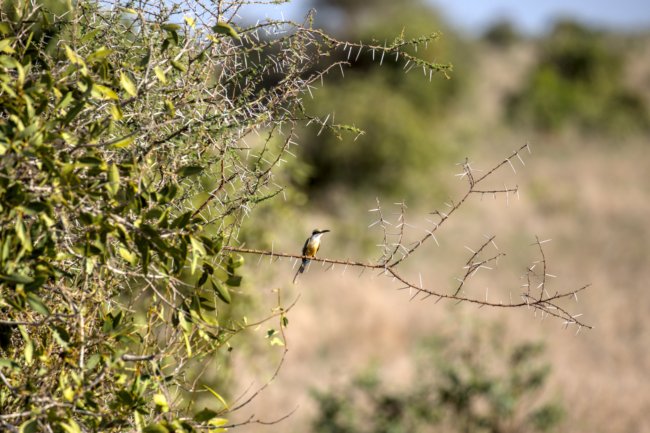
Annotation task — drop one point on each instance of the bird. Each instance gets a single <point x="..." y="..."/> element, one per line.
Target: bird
<point x="312" y="244"/>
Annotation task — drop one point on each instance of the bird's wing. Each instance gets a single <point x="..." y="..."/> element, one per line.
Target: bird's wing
<point x="304" y="248"/>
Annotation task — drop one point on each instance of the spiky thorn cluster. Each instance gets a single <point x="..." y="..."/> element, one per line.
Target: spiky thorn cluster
<point x="536" y="294"/>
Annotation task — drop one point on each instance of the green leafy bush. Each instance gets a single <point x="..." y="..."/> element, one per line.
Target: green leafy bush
<point x="471" y="386"/>
<point x="390" y="103"/>
<point x="578" y="81"/>
<point x="502" y="34"/>
<point x="134" y="140"/>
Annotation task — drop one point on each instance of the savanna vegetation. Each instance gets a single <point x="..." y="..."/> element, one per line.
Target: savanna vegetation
<point x="150" y="149"/>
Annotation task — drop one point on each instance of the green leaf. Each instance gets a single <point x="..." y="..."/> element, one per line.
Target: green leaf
<point x="160" y="401"/>
<point x="116" y="112"/>
<point x="128" y="256"/>
<point x="178" y="66"/>
<point x="28" y="351"/>
<point x="8" y="363"/>
<point x="169" y="106"/>
<point x="222" y="291"/>
<point x="23" y="234"/>
<point x="190" y="170"/>
<point x="182" y="220"/>
<point x="99" y="54"/>
<point x="93" y="361"/>
<point x="224" y="28"/>
<point x="123" y="142"/>
<point x="203" y="279"/>
<point x="156" y="428"/>
<point x="17" y="278"/>
<point x="185" y="324"/>
<point x="61" y="336"/>
<point x="91" y="34"/>
<point x="171" y="27"/>
<point x="70" y="426"/>
<point x="74" y="111"/>
<point x="216" y="394"/>
<point x="103" y="92"/>
<point x="5" y="46"/>
<point x="68" y="394"/>
<point x="37" y="304"/>
<point x="235" y="261"/>
<point x="30" y="426"/>
<point x="197" y="251"/>
<point x="128" y="85"/>
<point x="90" y="160"/>
<point x="113" y="185"/>
<point x="73" y="57"/>
<point x="218" y="422"/>
<point x="234" y="281"/>
<point x="65" y="101"/>
<point x="160" y="74"/>
<point x="205" y="415"/>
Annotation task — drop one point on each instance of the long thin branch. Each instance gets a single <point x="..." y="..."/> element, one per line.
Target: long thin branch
<point x="388" y="264"/>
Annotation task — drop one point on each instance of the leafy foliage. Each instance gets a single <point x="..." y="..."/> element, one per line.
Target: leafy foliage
<point x="578" y="80"/>
<point x="130" y="153"/>
<point x="390" y="103"/>
<point x="468" y="387"/>
<point x="502" y="33"/>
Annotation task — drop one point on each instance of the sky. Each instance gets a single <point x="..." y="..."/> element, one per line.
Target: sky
<point x="536" y="16"/>
<point x="533" y="17"/>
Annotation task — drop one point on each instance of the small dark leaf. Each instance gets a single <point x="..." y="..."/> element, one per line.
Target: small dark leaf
<point x="207" y="267"/>
<point x="235" y="261"/>
<point x="36" y="207"/>
<point x="17" y="278"/>
<point x="37" y="304"/>
<point x="222" y="291"/>
<point x="61" y="336"/>
<point x="190" y="170"/>
<point x="90" y="160"/>
<point x="182" y="220"/>
<point x="30" y="426"/>
<point x="205" y="415"/>
<point x="234" y="281"/>
<point x="203" y="279"/>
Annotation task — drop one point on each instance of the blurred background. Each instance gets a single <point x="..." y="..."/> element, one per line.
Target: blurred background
<point x="572" y="79"/>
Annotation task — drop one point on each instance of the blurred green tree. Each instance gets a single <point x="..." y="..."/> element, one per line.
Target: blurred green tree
<point x="578" y="82"/>
<point x="392" y="155"/>
<point x="502" y="33"/>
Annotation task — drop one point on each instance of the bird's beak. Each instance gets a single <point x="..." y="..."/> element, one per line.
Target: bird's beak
<point x="324" y="231"/>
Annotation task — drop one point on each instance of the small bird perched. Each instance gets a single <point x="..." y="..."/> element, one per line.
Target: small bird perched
<point x="312" y="244"/>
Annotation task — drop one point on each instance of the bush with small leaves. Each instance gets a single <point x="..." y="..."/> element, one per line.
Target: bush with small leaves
<point x="578" y="81"/>
<point x="470" y="386"/>
<point x="130" y="153"/>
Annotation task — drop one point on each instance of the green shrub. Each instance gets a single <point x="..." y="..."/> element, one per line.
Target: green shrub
<point x="502" y="34"/>
<point x="578" y="81"/>
<point x="473" y="386"/>
<point x="395" y="152"/>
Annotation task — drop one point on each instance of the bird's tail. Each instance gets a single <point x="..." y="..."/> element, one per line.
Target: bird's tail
<point x="301" y="269"/>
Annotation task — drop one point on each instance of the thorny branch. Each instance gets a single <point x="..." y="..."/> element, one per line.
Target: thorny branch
<point x="395" y="253"/>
